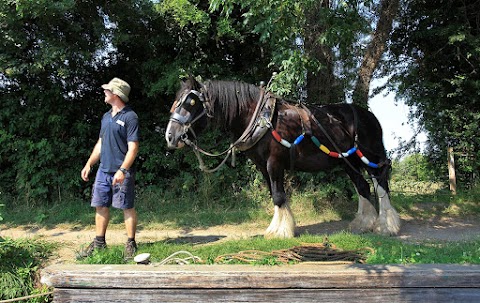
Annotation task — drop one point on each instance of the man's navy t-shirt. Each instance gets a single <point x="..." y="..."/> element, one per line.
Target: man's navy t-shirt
<point x="115" y="133"/>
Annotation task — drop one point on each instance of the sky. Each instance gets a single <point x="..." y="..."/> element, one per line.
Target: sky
<point x="393" y="117"/>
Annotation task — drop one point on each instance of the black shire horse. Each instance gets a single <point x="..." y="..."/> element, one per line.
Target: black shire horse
<point x="277" y="135"/>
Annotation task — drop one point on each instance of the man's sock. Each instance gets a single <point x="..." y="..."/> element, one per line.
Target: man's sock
<point x="100" y="240"/>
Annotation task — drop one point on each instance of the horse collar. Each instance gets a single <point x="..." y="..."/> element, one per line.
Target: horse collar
<point x="259" y="123"/>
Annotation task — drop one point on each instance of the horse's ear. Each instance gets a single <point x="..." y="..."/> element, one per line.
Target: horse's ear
<point x="185" y="77"/>
<point x="189" y="81"/>
<point x="198" y="79"/>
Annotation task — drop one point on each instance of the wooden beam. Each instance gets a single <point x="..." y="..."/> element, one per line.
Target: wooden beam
<point x="414" y="295"/>
<point x="245" y="283"/>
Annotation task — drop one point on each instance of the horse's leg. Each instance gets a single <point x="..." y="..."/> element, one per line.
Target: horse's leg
<point x="283" y="224"/>
<point x="388" y="222"/>
<point x="366" y="215"/>
<point x="262" y="167"/>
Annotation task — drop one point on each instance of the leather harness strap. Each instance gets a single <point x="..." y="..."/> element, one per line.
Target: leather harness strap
<point x="259" y="122"/>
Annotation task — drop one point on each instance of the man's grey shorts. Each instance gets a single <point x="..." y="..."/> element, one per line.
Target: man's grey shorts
<point x="120" y="196"/>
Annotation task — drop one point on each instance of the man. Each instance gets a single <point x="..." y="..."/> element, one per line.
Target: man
<point x="116" y="149"/>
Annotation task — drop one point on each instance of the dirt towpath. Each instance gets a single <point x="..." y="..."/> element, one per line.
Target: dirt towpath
<point x="72" y="239"/>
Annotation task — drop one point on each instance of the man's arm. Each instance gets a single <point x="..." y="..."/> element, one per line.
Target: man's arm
<point x="94" y="158"/>
<point x="132" y="152"/>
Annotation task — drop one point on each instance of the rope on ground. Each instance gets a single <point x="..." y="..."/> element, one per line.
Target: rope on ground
<point x="307" y="252"/>
<point x="182" y="261"/>
<point x="27" y="297"/>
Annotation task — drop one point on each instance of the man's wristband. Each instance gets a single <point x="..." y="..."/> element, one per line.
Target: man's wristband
<point x="123" y="170"/>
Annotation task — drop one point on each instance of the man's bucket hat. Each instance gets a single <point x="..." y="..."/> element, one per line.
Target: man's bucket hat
<point x="118" y="87"/>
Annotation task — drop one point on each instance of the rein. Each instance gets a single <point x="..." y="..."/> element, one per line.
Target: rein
<point x="203" y="167"/>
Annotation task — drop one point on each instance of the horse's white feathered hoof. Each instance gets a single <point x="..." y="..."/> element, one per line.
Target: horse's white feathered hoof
<point x="389" y="224"/>
<point x="362" y="223"/>
<point x="365" y="218"/>
<point x="282" y="225"/>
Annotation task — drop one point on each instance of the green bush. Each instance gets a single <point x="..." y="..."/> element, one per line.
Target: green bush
<point x="415" y="174"/>
<point x="20" y="261"/>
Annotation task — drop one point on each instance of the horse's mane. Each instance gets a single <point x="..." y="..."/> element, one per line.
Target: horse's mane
<point x="228" y="99"/>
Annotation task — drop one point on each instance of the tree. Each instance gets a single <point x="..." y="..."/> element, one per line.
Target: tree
<point x="55" y="55"/>
<point x="317" y="45"/>
<point x="436" y="51"/>
<point x="47" y="59"/>
<point x="211" y="46"/>
<point x="375" y="50"/>
<point x="322" y="86"/>
<point x="53" y="58"/>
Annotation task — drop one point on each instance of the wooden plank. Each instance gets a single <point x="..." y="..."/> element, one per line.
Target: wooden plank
<point x="305" y="276"/>
<point x="414" y="295"/>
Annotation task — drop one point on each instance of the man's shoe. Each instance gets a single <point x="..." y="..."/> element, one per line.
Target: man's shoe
<point x="95" y="245"/>
<point x="130" y="249"/>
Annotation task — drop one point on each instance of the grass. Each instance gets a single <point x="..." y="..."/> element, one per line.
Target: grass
<point x="310" y="206"/>
<point x="167" y="209"/>
<point x="385" y="249"/>
<point x="20" y="260"/>
<point x="440" y="203"/>
<point x="170" y="209"/>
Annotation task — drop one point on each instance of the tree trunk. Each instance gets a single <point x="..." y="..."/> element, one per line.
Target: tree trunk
<point x="320" y="84"/>
<point x="388" y="10"/>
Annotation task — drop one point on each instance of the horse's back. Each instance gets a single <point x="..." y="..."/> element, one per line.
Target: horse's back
<point x="354" y="117"/>
<point x="361" y="124"/>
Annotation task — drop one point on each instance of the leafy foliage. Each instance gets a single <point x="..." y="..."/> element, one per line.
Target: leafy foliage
<point x="308" y="41"/>
<point x="44" y="68"/>
<point x="414" y="167"/>
<point x="53" y="59"/>
<point x="55" y="55"/>
<point x="437" y="50"/>
<point x="19" y="262"/>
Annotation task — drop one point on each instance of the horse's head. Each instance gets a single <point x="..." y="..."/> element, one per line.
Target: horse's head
<point x="188" y="113"/>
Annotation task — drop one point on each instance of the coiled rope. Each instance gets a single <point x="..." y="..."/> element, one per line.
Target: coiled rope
<point x="325" y="252"/>
<point x="307" y="252"/>
<point x="173" y="259"/>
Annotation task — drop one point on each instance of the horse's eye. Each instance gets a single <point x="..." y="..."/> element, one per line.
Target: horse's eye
<point x="192" y="102"/>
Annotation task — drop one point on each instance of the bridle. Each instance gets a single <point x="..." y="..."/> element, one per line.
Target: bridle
<point x="186" y="121"/>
